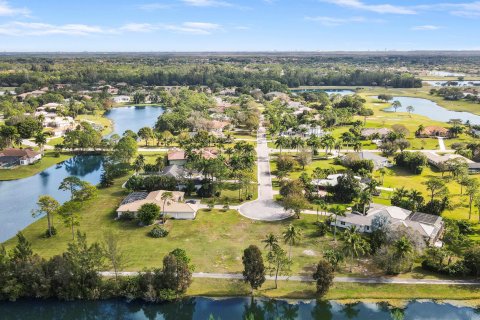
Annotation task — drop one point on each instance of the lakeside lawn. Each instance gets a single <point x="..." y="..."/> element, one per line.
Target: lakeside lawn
<point x="223" y="235"/>
<point x="351" y="292"/>
<point x="21" y="172"/>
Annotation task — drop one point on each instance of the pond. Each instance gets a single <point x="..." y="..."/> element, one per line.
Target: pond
<point x="133" y="117"/>
<point x="342" y="92"/>
<point x="432" y="110"/>
<point x="231" y="309"/>
<point x="19" y="197"/>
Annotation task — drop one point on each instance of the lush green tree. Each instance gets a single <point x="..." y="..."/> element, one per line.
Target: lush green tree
<point x="353" y="244"/>
<point x="176" y="275"/>
<point x="69" y="211"/>
<point x="323" y="276"/>
<point x="148" y="213"/>
<point x="253" y="268"/>
<point x="146" y="133"/>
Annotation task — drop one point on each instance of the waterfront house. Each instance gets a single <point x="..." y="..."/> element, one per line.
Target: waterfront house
<point x="12" y="157"/>
<point x="429" y="226"/>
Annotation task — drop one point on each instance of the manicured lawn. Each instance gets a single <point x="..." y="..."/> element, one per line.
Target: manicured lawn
<point x="339" y="291"/>
<point x="21" y="172"/>
<point x="215" y="240"/>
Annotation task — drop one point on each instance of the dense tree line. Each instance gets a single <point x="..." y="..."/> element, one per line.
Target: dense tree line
<point x="75" y="274"/>
<point x="275" y="75"/>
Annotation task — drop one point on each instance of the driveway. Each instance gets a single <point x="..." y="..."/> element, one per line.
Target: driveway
<point x="264" y="207"/>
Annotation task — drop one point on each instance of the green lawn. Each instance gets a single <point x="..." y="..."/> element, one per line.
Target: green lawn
<point x="340" y="291"/>
<point x="21" y="172"/>
<point x="223" y="235"/>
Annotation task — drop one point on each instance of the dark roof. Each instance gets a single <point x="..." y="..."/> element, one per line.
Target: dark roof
<point x="134" y="196"/>
<point x="424" y="218"/>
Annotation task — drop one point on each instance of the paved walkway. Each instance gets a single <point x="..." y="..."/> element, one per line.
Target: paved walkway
<point x="441" y="144"/>
<point x="374" y="280"/>
<point x="264" y="207"/>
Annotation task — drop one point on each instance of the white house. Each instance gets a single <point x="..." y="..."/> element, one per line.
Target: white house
<point x="121" y="99"/>
<point x="429" y="226"/>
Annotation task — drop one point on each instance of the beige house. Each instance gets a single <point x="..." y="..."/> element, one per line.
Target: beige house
<point x="176" y="157"/>
<point x="175" y="207"/>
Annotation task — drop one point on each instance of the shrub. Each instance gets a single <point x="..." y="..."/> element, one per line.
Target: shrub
<point x="148" y="213"/>
<point x="47" y="233"/>
<point x="158" y="232"/>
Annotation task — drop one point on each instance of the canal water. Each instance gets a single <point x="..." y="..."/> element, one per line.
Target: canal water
<point x="432" y="110"/>
<point x="232" y="309"/>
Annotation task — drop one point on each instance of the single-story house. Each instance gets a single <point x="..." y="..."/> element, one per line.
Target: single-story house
<point x="378" y="161"/>
<point x="175" y="207"/>
<point x="368" y="133"/>
<point x="330" y="181"/>
<point x="437" y="160"/>
<point x="180" y="172"/>
<point x="176" y="157"/>
<point x="429" y="226"/>
<point x="11" y="157"/>
<point x="121" y="99"/>
<point x="433" y="131"/>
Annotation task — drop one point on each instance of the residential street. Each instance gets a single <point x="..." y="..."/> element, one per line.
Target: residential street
<point x="264" y="208"/>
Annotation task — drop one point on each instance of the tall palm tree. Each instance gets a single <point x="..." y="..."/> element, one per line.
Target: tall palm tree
<point x="328" y="142"/>
<point x="270" y="241"/>
<point x="139" y="163"/>
<point x="166" y="196"/>
<point x="353" y="244"/>
<point x="291" y="236"/>
<point x="403" y="248"/>
<point x="281" y="142"/>
<point x="41" y="140"/>
<point x="336" y="211"/>
<point x="364" y="199"/>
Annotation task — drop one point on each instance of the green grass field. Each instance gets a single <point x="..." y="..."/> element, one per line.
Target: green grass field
<point x="350" y="292"/>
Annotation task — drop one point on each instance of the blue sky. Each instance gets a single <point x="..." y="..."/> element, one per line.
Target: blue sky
<point x="234" y="25"/>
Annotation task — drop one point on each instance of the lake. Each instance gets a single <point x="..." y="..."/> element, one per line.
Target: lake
<point x="432" y="110"/>
<point x="19" y="197"/>
<point x="230" y="309"/>
<point x="342" y="92"/>
<point x="133" y="118"/>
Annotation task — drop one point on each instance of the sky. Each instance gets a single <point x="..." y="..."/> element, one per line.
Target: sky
<point x="238" y="25"/>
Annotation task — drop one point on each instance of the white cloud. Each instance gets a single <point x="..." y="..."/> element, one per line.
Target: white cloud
<point x="426" y="28"/>
<point x="198" y="28"/>
<point x="333" y="22"/>
<point x="40" y="29"/>
<point x="378" y="8"/>
<point x="7" y="10"/>
<point x="207" y="3"/>
<point x="154" y="6"/>
<point x="139" y="27"/>
<point x="18" y="28"/>
<point x="462" y="9"/>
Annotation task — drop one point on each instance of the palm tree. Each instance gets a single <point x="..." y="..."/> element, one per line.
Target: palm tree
<point x="403" y="248"/>
<point x="328" y="142"/>
<point x="382" y="172"/>
<point x="270" y="241"/>
<point x="354" y="244"/>
<point x="41" y="140"/>
<point x="321" y="204"/>
<point x="336" y="211"/>
<point x="281" y="142"/>
<point x="166" y="196"/>
<point x="365" y="198"/>
<point x="139" y="163"/>
<point x="291" y="236"/>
